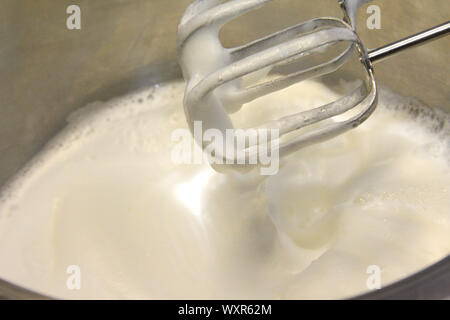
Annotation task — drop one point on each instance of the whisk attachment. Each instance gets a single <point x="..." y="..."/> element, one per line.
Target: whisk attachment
<point x="217" y="77"/>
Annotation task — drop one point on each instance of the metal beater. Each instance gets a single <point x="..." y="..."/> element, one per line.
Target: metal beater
<point x="214" y="74"/>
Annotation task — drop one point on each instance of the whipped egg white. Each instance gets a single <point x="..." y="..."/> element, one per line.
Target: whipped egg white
<point x="105" y="196"/>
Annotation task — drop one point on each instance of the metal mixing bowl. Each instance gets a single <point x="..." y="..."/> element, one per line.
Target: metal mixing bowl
<point x="48" y="71"/>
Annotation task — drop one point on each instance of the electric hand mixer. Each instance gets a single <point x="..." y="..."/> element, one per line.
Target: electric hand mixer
<point x="215" y="74"/>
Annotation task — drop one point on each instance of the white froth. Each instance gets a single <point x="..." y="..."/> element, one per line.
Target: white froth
<point x="104" y="195"/>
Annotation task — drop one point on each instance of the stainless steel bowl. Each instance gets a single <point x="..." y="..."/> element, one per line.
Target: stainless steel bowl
<point x="48" y="71"/>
